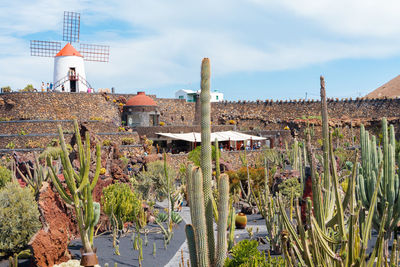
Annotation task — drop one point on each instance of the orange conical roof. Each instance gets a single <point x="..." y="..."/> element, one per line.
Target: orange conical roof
<point x="68" y="50"/>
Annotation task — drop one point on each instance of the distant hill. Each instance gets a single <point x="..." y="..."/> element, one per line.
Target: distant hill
<point x="391" y="89"/>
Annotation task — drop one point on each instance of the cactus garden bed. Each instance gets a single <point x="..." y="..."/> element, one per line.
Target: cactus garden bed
<point x="128" y="256"/>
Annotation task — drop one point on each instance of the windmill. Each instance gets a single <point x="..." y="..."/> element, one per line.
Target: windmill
<point x="69" y="67"/>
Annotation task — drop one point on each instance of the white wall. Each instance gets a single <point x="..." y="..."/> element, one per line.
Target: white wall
<point x="181" y="94"/>
<point x="217" y="97"/>
<point x="62" y="64"/>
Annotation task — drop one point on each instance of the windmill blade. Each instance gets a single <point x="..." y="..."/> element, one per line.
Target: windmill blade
<point x="93" y="52"/>
<point x="71" y="27"/>
<point x="44" y="48"/>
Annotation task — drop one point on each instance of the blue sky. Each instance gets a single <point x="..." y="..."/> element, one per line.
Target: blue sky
<point x="259" y="49"/>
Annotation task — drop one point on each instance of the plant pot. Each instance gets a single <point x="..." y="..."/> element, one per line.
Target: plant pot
<point x="89" y="259"/>
<point x="241" y="221"/>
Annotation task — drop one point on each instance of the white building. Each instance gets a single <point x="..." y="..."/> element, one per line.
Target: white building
<point x="190" y="95"/>
<point x="69" y="70"/>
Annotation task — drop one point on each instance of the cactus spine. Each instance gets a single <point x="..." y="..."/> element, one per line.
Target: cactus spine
<point x="79" y="186"/>
<point x="206" y="158"/>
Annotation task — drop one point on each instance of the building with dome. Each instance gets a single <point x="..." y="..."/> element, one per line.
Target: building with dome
<point x="141" y="111"/>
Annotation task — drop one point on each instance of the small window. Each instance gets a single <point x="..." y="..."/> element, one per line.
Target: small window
<point x="181" y="97"/>
<point x="216" y="97"/>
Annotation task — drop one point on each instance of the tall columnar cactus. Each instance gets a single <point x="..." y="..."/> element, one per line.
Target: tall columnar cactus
<point x="223" y="199"/>
<point x="325" y="135"/>
<point x="79" y="186"/>
<point x="198" y="216"/>
<point x="200" y="235"/>
<point x="372" y="156"/>
<point x="206" y="151"/>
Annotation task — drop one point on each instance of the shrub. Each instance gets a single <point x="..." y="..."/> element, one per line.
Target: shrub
<point x="10" y="145"/>
<point x="128" y="141"/>
<point x="290" y="186"/>
<point x="121" y="129"/>
<point x="32" y="144"/>
<point x="51" y="151"/>
<point x="19" y="217"/>
<point x="232" y="122"/>
<point x="96" y="118"/>
<point x="23" y="132"/>
<point x="107" y="142"/>
<point x="162" y="123"/>
<point x="5" y="176"/>
<point x="54" y="142"/>
<point x="6" y="89"/>
<point x="120" y="200"/>
<point x="28" y="88"/>
<point x="125" y="162"/>
<point x="257" y="177"/>
<point x="152" y="183"/>
<point x="194" y="155"/>
<point x="5" y="118"/>
<point x="246" y="254"/>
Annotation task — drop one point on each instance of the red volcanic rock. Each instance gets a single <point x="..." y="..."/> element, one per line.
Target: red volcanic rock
<point x="98" y="189"/>
<point x="50" y="244"/>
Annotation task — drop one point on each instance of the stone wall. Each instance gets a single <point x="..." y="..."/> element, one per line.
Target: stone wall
<point x="50" y="126"/>
<point x="42" y="140"/>
<point x="57" y="106"/>
<point x="177" y="114"/>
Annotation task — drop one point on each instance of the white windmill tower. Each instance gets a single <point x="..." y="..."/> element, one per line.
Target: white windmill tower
<point x="69" y="67"/>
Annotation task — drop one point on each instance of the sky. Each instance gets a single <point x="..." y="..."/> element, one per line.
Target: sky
<point x="259" y="49"/>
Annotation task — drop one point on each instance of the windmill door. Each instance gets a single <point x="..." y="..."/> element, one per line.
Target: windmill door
<point x="72" y="80"/>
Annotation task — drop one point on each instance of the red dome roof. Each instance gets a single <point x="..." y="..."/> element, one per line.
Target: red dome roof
<point x="141" y="99"/>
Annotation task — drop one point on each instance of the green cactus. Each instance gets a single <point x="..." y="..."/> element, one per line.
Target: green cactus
<point x="201" y="235"/>
<point x="79" y="186"/>
<point x="206" y="156"/>
<point x="37" y="176"/>
<point x="372" y="156"/>
<point x="223" y="202"/>
<point x="154" y="249"/>
<point x="191" y="240"/>
<point x="268" y="209"/>
<point x="231" y="223"/>
<point x="197" y="211"/>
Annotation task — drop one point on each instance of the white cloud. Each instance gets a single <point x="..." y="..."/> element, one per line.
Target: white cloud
<point x="171" y="37"/>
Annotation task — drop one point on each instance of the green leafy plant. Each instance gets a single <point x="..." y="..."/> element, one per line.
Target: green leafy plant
<point x="22" y="132"/>
<point x="107" y="142"/>
<point x="10" y="145"/>
<point x="152" y="183"/>
<point x="5" y="176"/>
<point x="246" y="254"/>
<point x="119" y="200"/>
<point x="28" y="88"/>
<point x="128" y="141"/>
<point x="194" y="155"/>
<point x="290" y="188"/>
<point x="19" y="217"/>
